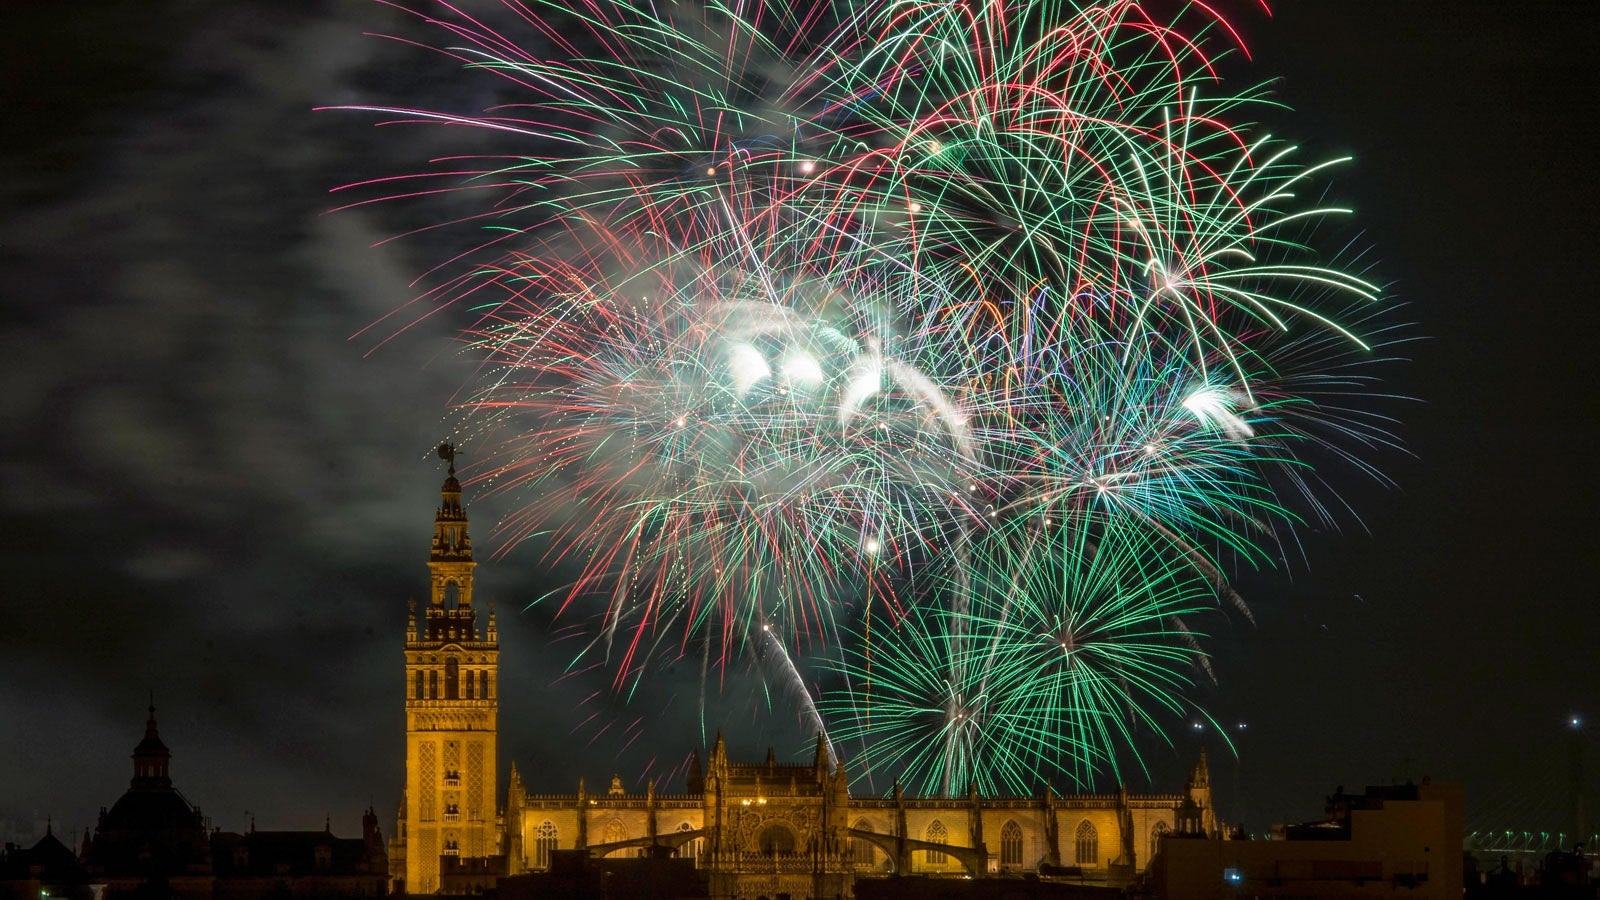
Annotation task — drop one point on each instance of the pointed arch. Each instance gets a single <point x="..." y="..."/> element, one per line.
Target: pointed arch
<point x="861" y="850"/>
<point x="1011" y="844"/>
<point x="936" y="834"/>
<point x="544" y="844"/>
<point x="1087" y="841"/>
<point x="689" y="849"/>
<point x="1156" y="834"/>
<point x="615" y="832"/>
<point x="776" y="839"/>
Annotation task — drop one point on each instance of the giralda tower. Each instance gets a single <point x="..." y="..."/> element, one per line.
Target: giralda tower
<point x="452" y="682"/>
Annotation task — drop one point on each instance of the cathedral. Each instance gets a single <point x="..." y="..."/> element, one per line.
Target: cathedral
<point x="754" y="830"/>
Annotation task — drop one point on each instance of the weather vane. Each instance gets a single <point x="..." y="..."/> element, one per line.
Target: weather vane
<point x="447" y="452"/>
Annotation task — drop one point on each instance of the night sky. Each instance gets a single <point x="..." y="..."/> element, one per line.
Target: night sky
<point x="211" y="490"/>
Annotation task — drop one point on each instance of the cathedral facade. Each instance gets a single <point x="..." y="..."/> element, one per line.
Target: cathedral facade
<point x="756" y="830"/>
<point x="771" y="829"/>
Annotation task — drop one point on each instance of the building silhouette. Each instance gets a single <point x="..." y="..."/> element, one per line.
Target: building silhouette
<point x="751" y="829"/>
<point x="1390" y="841"/>
<point x="48" y="869"/>
<point x="154" y="844"/>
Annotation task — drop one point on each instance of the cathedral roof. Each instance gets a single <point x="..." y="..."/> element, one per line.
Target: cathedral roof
<point x="48" y="860"/>
<point x="54" y="858"/>
<point x="146" y="809"/>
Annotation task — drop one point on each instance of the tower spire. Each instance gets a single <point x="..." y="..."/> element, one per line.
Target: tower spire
<point x="151" y="758"/>
<point x="451" y="543"/>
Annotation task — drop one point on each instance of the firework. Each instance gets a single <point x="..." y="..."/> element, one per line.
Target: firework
<point x="742" y="432"/>
<point x="989" y="319"/>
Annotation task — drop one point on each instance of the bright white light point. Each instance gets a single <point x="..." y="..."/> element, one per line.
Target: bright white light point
<point x="1149" y="449"/>
<point x="1198" y="727"/>
<point x="711" y="171"/>
<point x="935" y="146"/>
<point x="748" y="366"/>
<point x="766" y="628"/>
<point x="802" y="369"/>
<point x="1213" y="407"/>
<point x="682" y="422"/>
<point x="807" y="167"/>
<point x="916" y="207"/>
<point x="872" y="546"/>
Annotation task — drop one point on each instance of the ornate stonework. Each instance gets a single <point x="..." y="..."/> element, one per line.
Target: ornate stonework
<point x="451" y="684"/>
<point x="769" y="829"/>
<point x="756" y="829"/>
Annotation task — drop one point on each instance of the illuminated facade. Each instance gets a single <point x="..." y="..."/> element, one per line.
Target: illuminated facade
<point x="755" y="830"/>
<point x="448" y="811"/>
<point x="770" y="829"/>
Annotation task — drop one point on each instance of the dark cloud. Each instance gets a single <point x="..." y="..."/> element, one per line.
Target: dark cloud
<point x="212" y="490"/>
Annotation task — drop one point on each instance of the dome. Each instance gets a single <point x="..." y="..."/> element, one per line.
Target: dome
<point x="152" y="828"/>
<point x="151" y="810"/>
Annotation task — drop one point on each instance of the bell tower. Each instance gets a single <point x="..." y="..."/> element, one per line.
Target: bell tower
<point x="451" y="689"/>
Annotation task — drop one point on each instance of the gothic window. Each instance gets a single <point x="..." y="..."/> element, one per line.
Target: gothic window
<point x="452" y="596"/>
<point x="1156" y="834"/>
<point x="452" y="679"/>
<point x="1088" y="843"/>
<point x="419" y="684"/>
<point x="861" y="849"/>
<point x="544" y="843"/>
<point x="467" y="683"/>
<point x="433" y="684"/>
<point x="615" y="832"/>
<point x="1011" y="844"/>
<point x="936" y="834"/>
<point x="483" y="685"/>
<point x="688" y="849"/>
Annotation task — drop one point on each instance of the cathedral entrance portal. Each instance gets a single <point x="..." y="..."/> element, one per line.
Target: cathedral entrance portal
<point x="776" y="840"/>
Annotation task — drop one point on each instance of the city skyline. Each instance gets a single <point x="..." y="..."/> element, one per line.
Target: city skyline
<point x="227" y="502"/>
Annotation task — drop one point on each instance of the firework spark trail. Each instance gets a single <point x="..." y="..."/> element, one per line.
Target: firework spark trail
<point x="990" y="316"/>
<point x="797" y="685"/>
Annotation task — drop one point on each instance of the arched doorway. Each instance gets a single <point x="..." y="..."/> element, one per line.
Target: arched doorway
<point x="776" y="839"/>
